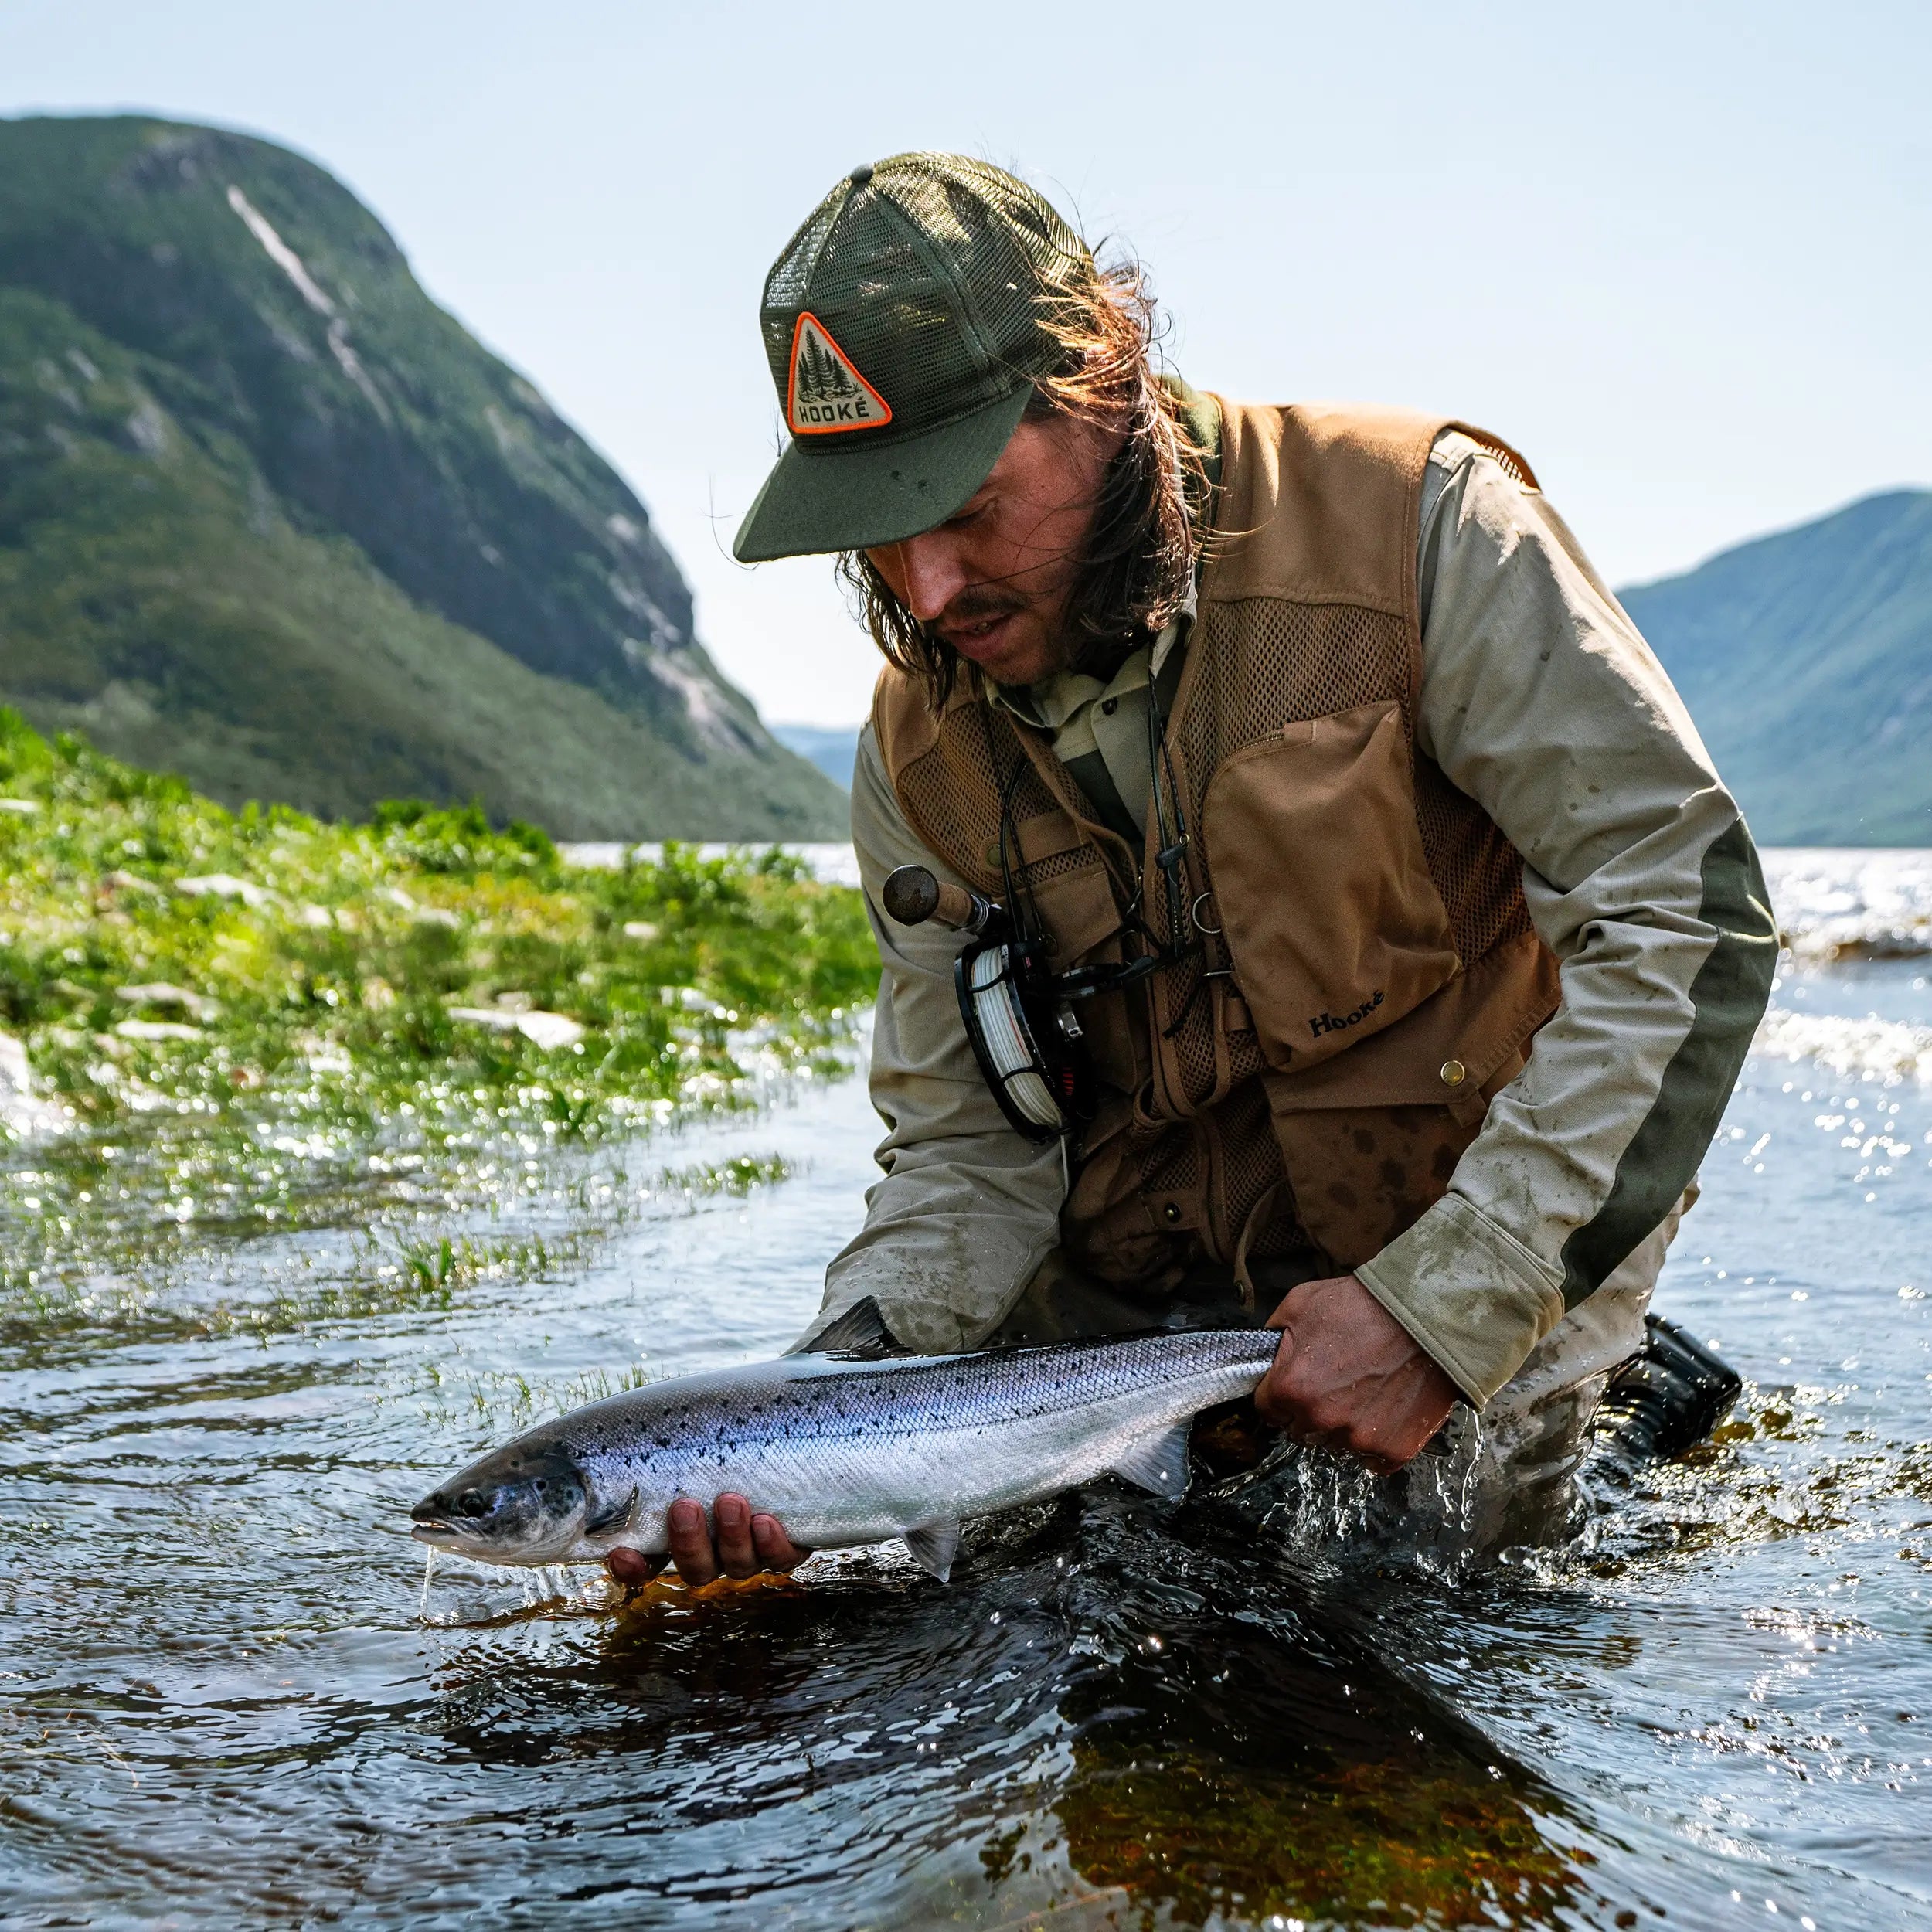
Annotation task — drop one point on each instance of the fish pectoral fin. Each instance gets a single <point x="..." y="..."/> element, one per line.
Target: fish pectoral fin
<point x="935" y="1547"/>
<point x="617" y="1517"/>
<point x="1159" y="1463"/>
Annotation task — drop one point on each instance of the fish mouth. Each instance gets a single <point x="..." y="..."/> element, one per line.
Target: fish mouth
<point x="432" y="1521"/>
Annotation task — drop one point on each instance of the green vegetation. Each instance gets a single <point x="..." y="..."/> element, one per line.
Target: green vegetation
<point x="1806" y="659"/>
<point x="269" y="517"/>
<point x="254" y="1020"/>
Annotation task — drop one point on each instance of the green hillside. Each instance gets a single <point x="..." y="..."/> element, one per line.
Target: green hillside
<point x="270" y="518"/>
<point x="1806" y="659"/>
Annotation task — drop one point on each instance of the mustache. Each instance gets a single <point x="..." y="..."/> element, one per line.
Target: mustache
<point x="977" y="603"/>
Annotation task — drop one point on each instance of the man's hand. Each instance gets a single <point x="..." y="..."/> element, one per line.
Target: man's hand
<point x="1349" y="1376"/>
<point x="745" y="1544"/>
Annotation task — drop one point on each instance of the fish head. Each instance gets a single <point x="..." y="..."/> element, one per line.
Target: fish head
<point x="525" y="1503"/>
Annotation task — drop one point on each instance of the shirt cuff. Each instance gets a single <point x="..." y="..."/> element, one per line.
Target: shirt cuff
<point x="1475" y="1298"/>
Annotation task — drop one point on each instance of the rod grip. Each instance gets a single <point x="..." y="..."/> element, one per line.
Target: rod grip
<point x="914" y="897"/>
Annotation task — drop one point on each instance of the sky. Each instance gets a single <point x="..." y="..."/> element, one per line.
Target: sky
<point x="1680" y="255"/>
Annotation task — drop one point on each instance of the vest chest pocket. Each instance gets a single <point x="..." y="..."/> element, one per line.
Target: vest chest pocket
<point x="1335" y="924"/>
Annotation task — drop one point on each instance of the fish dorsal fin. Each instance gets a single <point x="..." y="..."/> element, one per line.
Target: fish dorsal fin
<point x="935" y="1547"/>
<point x="857" y="1334"/>
<point x="1159" y="1463"/>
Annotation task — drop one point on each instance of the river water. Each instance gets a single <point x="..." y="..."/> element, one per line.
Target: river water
<point x="229" y="1696"/>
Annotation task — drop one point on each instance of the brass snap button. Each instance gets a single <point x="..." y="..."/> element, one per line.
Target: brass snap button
<point x="1454" y="1073"/>
<point x="1171" y="1214"/>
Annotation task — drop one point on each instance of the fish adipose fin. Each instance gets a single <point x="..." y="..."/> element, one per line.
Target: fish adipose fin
<point x="935" y="1547"/>
<point x="1159" y="1463"/>
<point x="857" y="1334"/>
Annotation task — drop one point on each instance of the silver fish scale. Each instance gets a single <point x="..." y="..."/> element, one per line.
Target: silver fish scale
<point x="846" y="1453"/>
<point x="919" y="1394"/>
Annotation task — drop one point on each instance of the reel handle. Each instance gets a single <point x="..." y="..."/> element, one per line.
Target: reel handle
<point x="914" y="897"/>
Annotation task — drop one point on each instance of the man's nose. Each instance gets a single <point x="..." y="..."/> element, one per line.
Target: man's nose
<point x="933" y="575"/>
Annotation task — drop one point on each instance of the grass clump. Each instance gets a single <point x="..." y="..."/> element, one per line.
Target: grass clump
<point x="241" y="1012"/>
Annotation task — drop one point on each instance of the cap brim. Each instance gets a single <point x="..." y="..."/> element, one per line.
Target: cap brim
<point x="847" y="492"/>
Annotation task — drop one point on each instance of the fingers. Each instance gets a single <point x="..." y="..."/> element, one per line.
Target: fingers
<point x="734" y="1542"/>
<point x="632" y="1568"/>
<point x="689" y="1537"/>
<point x="775" y="1550"/>
<point x="1384" y="1431"/>
<point x="731" y="1523"/>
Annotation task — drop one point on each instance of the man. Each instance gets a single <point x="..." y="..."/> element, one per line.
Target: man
<point x="1417" y="943"/>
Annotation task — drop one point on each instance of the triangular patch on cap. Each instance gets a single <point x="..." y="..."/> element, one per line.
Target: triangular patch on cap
<point x="826" y="392"/>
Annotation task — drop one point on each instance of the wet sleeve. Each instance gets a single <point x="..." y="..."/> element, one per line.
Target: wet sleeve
<point x="966" y="1209"/>
<point x="1540" y="700"/>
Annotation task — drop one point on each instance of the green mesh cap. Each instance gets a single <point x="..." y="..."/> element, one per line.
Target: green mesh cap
<point x="903" y="324"/>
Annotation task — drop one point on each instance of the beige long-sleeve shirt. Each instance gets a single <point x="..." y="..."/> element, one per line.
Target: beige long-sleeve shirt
<point x="1540" y="700"/>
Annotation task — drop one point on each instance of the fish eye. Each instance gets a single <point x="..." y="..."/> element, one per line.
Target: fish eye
<point x="472" y="1503"/>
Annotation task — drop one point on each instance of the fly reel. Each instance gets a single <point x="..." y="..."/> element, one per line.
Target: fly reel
<point x="1020" y="1028"/>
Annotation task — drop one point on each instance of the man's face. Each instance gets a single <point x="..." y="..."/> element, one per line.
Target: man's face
<point x="993" y="580"/>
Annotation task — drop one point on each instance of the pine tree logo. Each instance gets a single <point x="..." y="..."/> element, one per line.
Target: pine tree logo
<point x="827" y="392"/>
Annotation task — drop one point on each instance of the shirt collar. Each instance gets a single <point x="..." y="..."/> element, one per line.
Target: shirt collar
<point x="1047" y="705"/>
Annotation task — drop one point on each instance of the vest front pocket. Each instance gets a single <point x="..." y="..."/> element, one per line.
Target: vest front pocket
<point x="1334" y="924"/>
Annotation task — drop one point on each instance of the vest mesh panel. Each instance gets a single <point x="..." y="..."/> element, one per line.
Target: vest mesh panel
<point x="1251" y="1164"/>
<point x="1477" y="870"/>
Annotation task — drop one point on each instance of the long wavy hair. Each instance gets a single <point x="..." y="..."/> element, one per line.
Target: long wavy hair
<point x="1136" y="568"/>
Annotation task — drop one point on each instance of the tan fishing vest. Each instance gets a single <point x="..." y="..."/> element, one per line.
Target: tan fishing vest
<point x="1367" y="978"/>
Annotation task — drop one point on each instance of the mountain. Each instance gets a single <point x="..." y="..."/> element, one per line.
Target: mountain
<point x="1806" y="659"/>
<point x="834" y="749"/>
<point x="270" y="518"/>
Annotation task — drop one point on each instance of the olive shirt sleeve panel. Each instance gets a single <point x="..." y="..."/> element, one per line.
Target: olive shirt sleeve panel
<point x="1540" y="700"/>
<point x="967" y="1208"/>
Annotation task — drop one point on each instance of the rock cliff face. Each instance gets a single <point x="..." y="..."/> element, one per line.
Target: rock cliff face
<point x="270" y="516"/>
<point x="1806" y="659"/>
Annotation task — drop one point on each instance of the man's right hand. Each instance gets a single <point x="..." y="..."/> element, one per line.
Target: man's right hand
<point x="744" y="1544"/>
<point x="1348" y="1377"/>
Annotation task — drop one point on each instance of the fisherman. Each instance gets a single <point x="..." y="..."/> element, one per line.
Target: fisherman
<point x="1412" y="944"/>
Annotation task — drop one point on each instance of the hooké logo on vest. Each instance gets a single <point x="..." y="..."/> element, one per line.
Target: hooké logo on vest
<point x="1334" y="1023"/>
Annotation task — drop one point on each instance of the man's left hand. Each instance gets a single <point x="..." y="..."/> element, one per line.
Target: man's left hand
<point x="1349" y="1376"/>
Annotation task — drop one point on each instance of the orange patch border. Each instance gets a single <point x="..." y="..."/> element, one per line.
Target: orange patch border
<point x="792" y="386"/>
